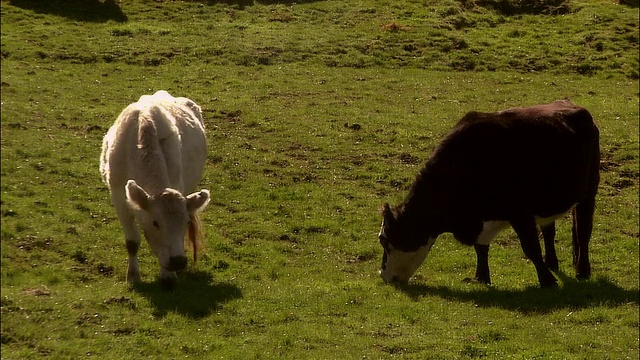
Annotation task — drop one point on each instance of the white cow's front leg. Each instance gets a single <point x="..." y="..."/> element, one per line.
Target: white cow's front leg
<point x="131" y="234"/>
<point x="133" y="270"/>
<point x="168" y="279"/>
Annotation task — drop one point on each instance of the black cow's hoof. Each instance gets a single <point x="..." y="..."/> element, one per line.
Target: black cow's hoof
<point x="552" y="265"/>
<point x="583" y="272"/>
<point x="549" y="285"/>
<point x="583" y="277"/>
<point x="476" y="281"/>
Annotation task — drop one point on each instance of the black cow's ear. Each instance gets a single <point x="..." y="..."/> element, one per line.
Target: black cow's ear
<point x="387" y="214"/>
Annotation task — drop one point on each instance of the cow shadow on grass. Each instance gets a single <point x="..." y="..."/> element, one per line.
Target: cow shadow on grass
<point x="196" y="295"/>
<point x="80" y="10"/>
<point x="572" y="294"/>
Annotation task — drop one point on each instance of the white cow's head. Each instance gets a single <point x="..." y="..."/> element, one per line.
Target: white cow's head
<point x="164" y="219"/>
<point x="401" y="258"/>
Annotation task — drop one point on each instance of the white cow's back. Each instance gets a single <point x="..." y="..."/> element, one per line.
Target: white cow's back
<point x="180" y="134"/>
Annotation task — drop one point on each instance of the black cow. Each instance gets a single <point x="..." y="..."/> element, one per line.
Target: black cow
<point x="521" y="167"/>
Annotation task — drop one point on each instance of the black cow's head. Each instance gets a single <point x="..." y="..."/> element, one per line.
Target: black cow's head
<point x="399" y="262"/>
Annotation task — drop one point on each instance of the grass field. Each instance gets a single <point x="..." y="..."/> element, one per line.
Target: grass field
<point x="317" y="112"/>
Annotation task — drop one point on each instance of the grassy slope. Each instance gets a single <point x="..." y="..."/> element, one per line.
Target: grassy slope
<point x="441" y="35"/>
<point x="290" y="269"/>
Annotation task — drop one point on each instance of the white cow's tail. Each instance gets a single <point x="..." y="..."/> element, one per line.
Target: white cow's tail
<point x="194" y="236"/>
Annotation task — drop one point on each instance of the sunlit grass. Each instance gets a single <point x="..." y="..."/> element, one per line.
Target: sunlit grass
<point x="307" y="138"/>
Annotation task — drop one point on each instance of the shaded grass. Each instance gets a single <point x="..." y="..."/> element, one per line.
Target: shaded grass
<point x="573" y="295"/>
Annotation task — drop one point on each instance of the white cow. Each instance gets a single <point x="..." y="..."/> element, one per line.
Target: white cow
<point x="152" y="156"/>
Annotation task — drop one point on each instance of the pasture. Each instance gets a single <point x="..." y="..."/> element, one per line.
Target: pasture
<point x="317" y="112"/>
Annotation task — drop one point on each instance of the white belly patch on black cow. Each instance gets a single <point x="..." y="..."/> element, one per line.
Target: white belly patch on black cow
<point x="490" y="229"/>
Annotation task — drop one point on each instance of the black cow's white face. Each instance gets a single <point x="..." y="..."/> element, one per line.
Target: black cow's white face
<point x="398" y="265"/>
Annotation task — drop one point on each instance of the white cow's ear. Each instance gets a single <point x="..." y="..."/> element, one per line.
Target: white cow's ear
<point x="197" y="111"/>
<point x="198" y="201"/>
<point x="136" y="196"/>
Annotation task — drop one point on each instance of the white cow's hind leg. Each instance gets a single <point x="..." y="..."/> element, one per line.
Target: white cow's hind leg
<point x="131" y="233"/>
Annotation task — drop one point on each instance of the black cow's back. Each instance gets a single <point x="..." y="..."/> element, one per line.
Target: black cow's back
<point x="536" y="160"/>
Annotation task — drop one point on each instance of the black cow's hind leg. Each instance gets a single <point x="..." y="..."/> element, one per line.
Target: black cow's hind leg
<point x="527" y="231"/>
<point x="581" y="232"/>
<point x="548" y="235"/>
<point x="482" y="264"/>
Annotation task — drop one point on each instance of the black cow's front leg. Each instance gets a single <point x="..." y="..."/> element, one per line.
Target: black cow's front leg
<point x="482" y="264"/>
<point x="549" y="235"/>
<point x="528" y="233"/>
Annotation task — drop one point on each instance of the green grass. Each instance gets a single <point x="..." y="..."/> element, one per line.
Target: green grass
<point x="587" y="38"/>
<point x="316" y="114"/>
